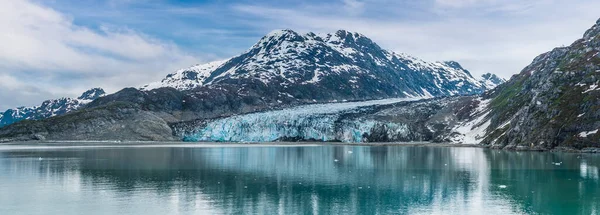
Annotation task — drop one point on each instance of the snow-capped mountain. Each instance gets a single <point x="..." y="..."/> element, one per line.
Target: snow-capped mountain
<point x="282" y="70"/>
<point x="188" y="78"/>
<point x="49" y="108"/>
<point x="491" y="81"/>
<point x="336" y="66"/>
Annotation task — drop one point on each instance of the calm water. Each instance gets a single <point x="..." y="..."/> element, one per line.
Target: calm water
<point x="295" y="180"/>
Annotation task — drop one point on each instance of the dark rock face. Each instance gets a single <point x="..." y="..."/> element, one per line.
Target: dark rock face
<point x="92" y="94"/>
<point x="430" y="120"/>
<point x="49" y="108"/>
<point x="203" y="102"/>
<point x="553" y="102"/>
<point x="117" y="121"/>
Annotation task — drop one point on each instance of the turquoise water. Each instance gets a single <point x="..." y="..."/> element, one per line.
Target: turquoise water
<point x="295" y="180"/>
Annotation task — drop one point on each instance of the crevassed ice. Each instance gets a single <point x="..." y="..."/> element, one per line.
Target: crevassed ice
<point x="318" y="122"/>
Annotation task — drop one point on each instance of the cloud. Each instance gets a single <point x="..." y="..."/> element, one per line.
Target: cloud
<point x="501" y="37"/>
<point x="52" y="48"/>
<point x="354" y="6"/>
<point x="44" y="52"/>
<point x="459" y="3"/>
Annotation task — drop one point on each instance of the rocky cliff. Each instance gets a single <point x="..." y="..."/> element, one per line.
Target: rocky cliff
<point x="554" y="102"/>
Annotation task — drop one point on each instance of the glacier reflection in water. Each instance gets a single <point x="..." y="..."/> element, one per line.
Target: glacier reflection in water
<point x="295" y="180"/>
<point x="307" y="122"/>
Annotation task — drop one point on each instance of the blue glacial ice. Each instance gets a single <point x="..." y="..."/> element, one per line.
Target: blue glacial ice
<point x="319" y="122"/>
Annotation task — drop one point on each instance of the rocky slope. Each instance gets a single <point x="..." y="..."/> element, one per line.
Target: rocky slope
<point x="117" y="121"/>
<point x="49" y="108"/>
<point x="554" y="102"/>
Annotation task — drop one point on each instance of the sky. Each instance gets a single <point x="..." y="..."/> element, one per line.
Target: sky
<point x="60" y="48"/>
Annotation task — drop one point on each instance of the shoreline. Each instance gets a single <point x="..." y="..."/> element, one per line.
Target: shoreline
<point x="181" y="143"/>
<point x="100" y="144"/>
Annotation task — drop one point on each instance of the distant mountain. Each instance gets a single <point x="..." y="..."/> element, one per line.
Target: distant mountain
<point x="491" y="81"/>
<point x="283" y="69"/>
<point x="337" y="66"/>
<point x="49" y="108"/>
<point x="188" y="78"/>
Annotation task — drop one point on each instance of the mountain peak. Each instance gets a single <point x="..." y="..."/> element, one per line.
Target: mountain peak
<point x="92" y="94"/>
<point x="348" y="37"/>
<point x="342" y="65"/>
<point x="345" y="33"/>
<point x="453" y="64"/>
<point x="277" y="37"/>
<point x="281" y="32"/>
<point x="593" y="31"/>
<point x="491" y="81"/>
<point x="49" y="108"/>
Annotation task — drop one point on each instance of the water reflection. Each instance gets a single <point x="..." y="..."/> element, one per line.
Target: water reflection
<point x="291" y="180"/>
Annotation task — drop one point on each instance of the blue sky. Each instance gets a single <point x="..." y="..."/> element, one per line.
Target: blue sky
<point x="56" y="48"/>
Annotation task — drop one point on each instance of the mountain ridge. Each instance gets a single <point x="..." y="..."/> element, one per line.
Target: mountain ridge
<point x="553" y="102"/>
<point x="283" y="69"/>
<point x="286" y="57"/>
<point x="49" y="108"/>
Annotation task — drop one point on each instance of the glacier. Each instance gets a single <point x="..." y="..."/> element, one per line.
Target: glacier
<point x="316" y="122"/>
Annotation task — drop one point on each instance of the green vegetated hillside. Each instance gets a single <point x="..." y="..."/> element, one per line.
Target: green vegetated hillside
<point x="553" y="102"/>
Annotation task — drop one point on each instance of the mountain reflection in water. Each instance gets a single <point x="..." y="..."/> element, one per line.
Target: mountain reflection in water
<point x="296" y="179"/>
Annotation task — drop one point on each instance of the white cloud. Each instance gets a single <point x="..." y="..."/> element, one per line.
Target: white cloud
<point x="461" y="3"/>
<point x="354" y="6"/>
<point x="44" y="49"/>
<point x="485" y="36"/>
<point x="47" y="54"/>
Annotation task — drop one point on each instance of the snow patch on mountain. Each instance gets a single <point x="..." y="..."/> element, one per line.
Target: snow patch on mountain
<point x="587" y="133"/>
<point x="474" y="130"/>
<point x="187" y="78"/>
